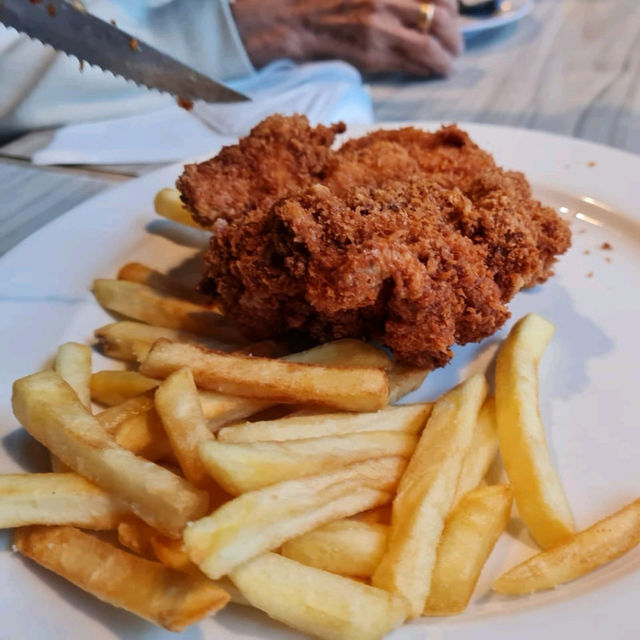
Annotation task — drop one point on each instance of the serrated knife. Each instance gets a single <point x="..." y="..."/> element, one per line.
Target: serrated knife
<point x="66" y="28"/>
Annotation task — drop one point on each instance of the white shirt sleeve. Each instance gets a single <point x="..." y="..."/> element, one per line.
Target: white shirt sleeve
<point x="42" y="88"/>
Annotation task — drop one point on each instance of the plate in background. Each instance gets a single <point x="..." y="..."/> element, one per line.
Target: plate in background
<point x="508" y="11"/>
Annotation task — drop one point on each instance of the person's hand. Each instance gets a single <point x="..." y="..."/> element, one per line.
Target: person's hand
<point x="373" y="35"/>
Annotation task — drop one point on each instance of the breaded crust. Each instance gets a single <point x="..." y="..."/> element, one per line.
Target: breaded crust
<point x="279" y="156"/>
<point x="415" y="239"/>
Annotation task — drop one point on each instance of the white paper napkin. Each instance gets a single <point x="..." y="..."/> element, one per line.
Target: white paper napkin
<point x="324" y="91"/>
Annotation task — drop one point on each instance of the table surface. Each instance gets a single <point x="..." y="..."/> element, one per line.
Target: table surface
<point x="570" y="67"/>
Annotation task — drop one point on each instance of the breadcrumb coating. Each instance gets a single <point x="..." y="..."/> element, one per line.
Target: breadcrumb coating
<point x="415" y="239"/>
<point x="280" y="156"/>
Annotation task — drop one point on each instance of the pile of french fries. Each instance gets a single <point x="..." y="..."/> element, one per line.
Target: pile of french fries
<point x="289" y="482"/>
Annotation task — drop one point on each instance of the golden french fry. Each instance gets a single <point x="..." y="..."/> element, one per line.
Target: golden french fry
<point x="73" y="363"/>
<point x="426" y="492"/>
<point x="57" y="466"/>
<point x="144" y="435"/>
<point x="351" y="389"/>
<point x="140" y="302"/>
<point x="114" y="387"/>
<point x="141" y="273"/>
<point x="379" y="515"/>
<point x="131" y="341"/>
<point x="112" y="417"/>
<point x="163" y="596"/>
<point x="409" y="418"/>
<point x="220" y="409"/>
<point x="346" y="547"/>
<point x="50" y="411"/>
<point x="171" y="554"/>
<point x="179" y="408"/>
<point x="346" y="352"/>
<point x="539" y="495"/>
<point x="167" y="204"/>
<point x="136" y="426"/>
<point x="602" y="542"/>
<point x="469" y="535"/>
<point x="482" y="452"/>
<point x="56" y="498"/>
<point x="262" y="520"/>
<point x="403" y="379"/>
<point x="242" y="467"/>
<point x="136" y="535"/>
<point x="317" y="602"/>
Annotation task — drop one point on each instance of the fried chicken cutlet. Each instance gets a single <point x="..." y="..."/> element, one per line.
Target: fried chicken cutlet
<point x="415" y="239"/>
<point x="281" y="156"/>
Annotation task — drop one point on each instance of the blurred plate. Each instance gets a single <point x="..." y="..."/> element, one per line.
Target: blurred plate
<point x="508" y="11"/>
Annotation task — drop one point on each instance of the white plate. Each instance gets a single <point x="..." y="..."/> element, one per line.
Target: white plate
<point x="508" y="11"/>
<point x="590" y="398"/>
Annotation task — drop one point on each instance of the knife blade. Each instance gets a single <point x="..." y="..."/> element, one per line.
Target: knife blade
<point x="68" y="29"/>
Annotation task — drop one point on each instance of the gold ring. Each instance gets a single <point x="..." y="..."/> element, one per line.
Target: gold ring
<point x="426" y="13"/>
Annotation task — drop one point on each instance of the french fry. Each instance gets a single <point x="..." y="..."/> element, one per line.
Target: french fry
<point x="409" y="418"/>
<point x="403" y="379"/>
<point x="114" y="387"/>
<point x="73" y="363"/>
<point x="346" y="547"/>
<point x="317" y="602"/>
<point x="131" y="341"/>
<point x="346" y="352"/>
<point x="141" y="273"/>
<point x="239" y="467"/>
<point x="163" y="596"/>
<point x="379" y="515"/>
<point x="140" y="302"/>
<point x="220" y="409"/>
<point x="136" y="535"/>
<point x="56" y="498"/>
<point x="426" y="492"/>
<point x="469" y="535"/>
<point x="171" y="554"/>
<point x="112" y="417"/>
<point x="482" y="452"/>
<point x="350" y="389"/>
<point x="57" y="466"/>
<point x="167" y="204"/>
<point x="50" y="411"/>
<point x="602" y="542"/>
<point x="144" y="435"/>
<point x="262" y="520"/>
<point x="180" y="411"/>
<point x="539" y="495"/>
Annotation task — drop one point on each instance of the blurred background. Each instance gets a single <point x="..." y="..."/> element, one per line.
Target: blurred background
<point x="69" y="129"/>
